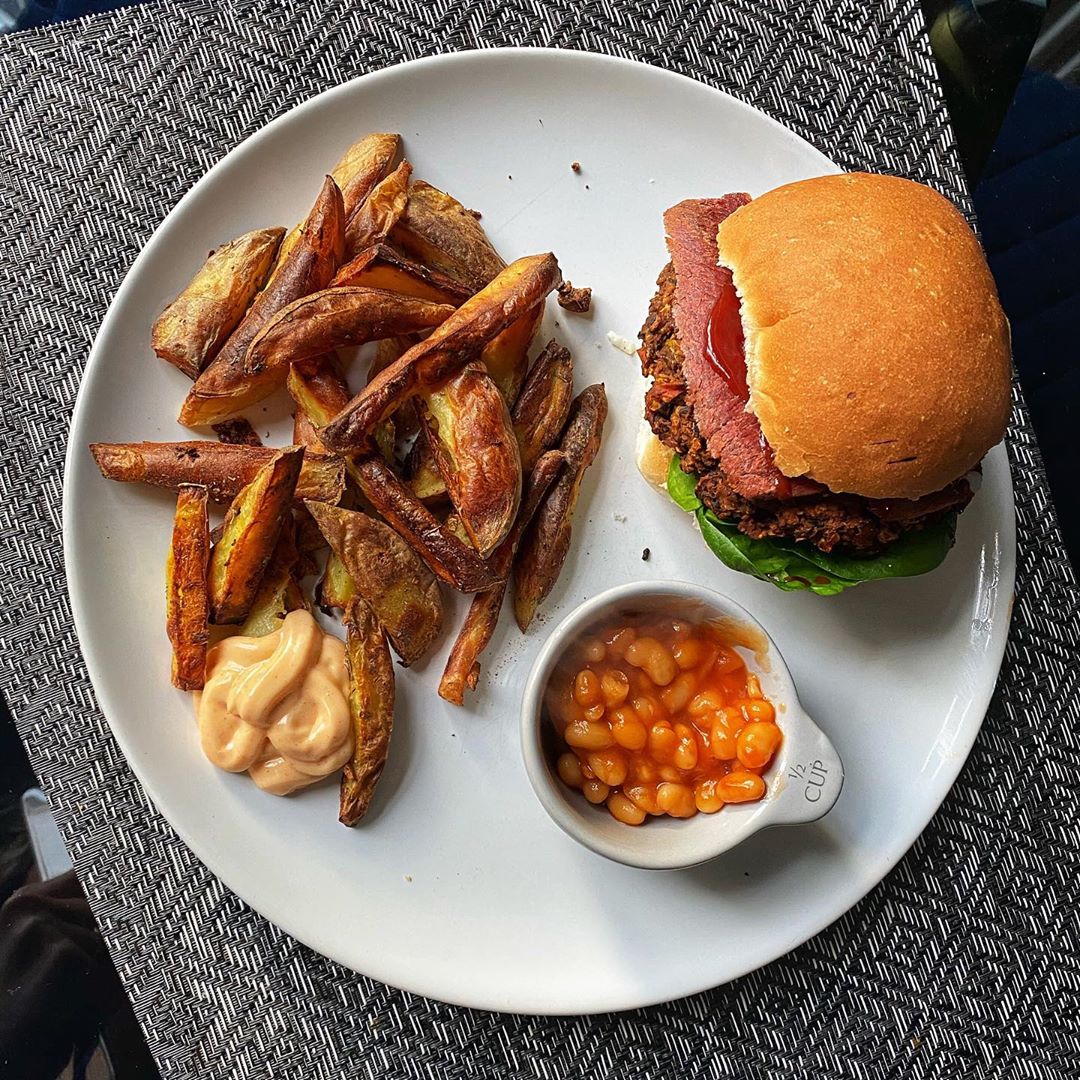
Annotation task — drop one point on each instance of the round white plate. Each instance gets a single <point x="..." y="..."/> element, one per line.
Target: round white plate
<point x="457" y="885"/>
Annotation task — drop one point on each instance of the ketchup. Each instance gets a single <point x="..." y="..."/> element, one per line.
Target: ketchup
<point x="724" y="347"/>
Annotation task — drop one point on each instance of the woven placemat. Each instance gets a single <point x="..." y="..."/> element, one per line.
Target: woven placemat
<point x="963" y="963"/>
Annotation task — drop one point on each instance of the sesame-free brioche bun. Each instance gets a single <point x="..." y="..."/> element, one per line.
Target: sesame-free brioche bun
<point x="877" y="351"/>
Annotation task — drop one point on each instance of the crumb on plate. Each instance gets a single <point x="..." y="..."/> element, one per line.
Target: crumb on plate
<point x="579" y="300"/>
<point x="623" y="344"/>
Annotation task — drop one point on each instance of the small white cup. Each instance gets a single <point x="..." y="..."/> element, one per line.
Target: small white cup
<point x="804" y="780"/>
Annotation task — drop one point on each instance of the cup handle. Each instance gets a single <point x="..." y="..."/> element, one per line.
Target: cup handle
<point x="813" y="776"/>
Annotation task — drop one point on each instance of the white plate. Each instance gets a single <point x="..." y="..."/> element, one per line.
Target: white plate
<point x="458" y="886"/>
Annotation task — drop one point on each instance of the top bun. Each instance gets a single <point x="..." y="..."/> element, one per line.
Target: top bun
<point x="877" y="352"/>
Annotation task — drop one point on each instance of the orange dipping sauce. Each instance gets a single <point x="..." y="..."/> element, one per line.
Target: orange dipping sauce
<point x="661" y="716"/>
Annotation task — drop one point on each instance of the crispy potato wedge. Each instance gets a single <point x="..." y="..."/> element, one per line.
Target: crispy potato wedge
<point x="225" y="388"/>
<point x="309" y="543"/>
<point x="278" y="592"/>
<point x="304" y="431"/>
<point x="238" y="432"/>
<point x="187" y="601"/>
<point x="379" y="212"/>
<point x="421" y="469"/>
<point x="431" y="362"/>
<point x="336" y="587"/>
<point x="446" y="237"/>
<point x="404" y="423"/>
<point x="371" y="703"/>
<point x="477" y="454"/>
<point x="540" y="412"/>
<point x="506" y="356"/>
<point x="388" y="575"/>
<point x="363" y="165"/>
<point x="544" y="547"/>
<point x="454" y="527"/>
<point x="463" y="665"/>
<point x="252" y="527"/>
<point x="439" y="232"/>
<point x="448" y="557"/>
<point x="333" y="318"/>
<point x="270" y="606"/>
<point x="387" y="351"/>
<point x="320" y="391"/>
<point x="318" y="387"/>
<point x="309" y="537"/>
<point x="223" y="469"/>
<point x="381" y="267"/>
<point x="190" y="332"/>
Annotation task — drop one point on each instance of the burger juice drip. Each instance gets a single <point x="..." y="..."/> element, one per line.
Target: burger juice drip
<point x="725" y="349"/>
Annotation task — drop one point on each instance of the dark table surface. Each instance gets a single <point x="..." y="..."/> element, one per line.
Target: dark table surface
<point x="1018" y="129"/>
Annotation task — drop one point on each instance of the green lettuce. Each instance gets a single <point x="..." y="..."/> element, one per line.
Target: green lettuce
<point x="791" y="565"/>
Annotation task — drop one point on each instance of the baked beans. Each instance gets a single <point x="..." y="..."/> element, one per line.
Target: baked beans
<point x="661" y="716"/>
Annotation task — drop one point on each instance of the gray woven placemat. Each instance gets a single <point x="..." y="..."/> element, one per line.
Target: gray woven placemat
<point x="963" y="963"/>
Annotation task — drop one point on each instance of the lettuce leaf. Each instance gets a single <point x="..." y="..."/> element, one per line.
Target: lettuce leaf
<point x="791" y="566"/>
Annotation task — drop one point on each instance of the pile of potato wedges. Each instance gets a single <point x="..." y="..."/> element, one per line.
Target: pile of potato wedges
<point x="457" y="463"/>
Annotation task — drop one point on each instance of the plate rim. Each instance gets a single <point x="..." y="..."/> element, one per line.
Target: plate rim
<point x="461" y="995"/>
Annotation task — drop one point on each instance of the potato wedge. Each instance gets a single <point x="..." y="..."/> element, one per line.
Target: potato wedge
<point x="363" y="165"/>
<point x="421" y="469"/>
<point x="278" y="592"/>
<point x="387" y="351"/>
<point x="442" y="234"/>
<point x="310" y="542"/>
<point x="225" y="388"/>
<point x="336" y="587"/>
<point x="476" y="452"/>
<point x="540" y="412"/>
<point x="304" y="431"/>
<point x="190" y="332"/>
<point x="371" y="703"/>
<point x="439" y="232"/>
<point x="448" y="557"/>
<point x="320" y="391"/>
<point x="388" y="575"/>
<point x="223" y="469"/>
<point x="463" y="665"/>
<point x="431" y="362"/>
<point x="333" y="318"/>
<point x="269" y="608"/>
<point x="252" y="526"/>
<point x="544" y="547"/>
<point x="379" y="212"/>
<point x="238" y="432"/>
<point x="506" y="356"/>
<point x="318" y="387"/>
<point x="187" y="603"/>
<point x="404" y="423"/>
<point x="381" y="267"/>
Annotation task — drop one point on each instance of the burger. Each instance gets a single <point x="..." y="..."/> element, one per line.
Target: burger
<point x="829" y="365"/>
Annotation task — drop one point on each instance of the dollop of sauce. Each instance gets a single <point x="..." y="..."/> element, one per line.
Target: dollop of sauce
<point x="277" y="707"/>
<point x="725" y="348"/>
